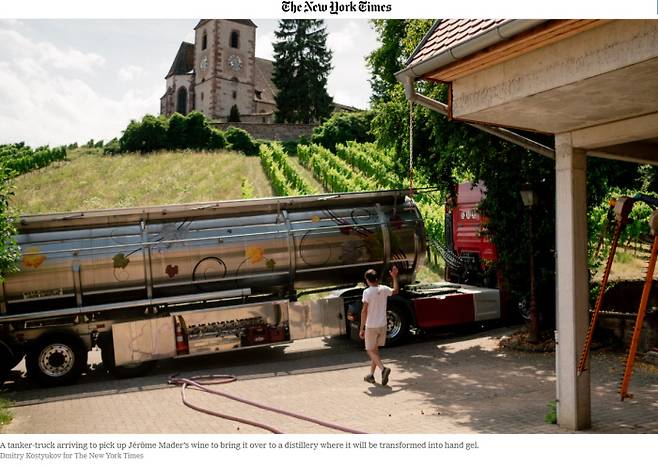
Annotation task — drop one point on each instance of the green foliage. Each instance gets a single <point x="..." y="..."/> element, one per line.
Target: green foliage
<point x="551" y="416"/>
<point x="19" y="159"/>
<point x="342" y="127"/>
<point x="192" y="131"/>
<point x="177" y="132"/>
<point x="358" y="167"/>
<point x="234" y="114"/>
<point x="72" y="146"/>
<point x="240" y="140"/>
<point x="335" y="174"/>
<point x="246" y="188"/>
<point x="290" y="147"/>
<point x="302" y="63"/>
<point x="112" y="147"/>
<point x="601" y="225"/>
<point x="9" y="252"/>
<point x="385" y="61"/>
<point x="146" y="136"/>
<point x="99" y="144"/>
<point x="198" y="131"/>
<point x="217" y="140"/>
<point x="372" y="161"/>
<point x="5" y="414"/>
<point x="282" y="175"/>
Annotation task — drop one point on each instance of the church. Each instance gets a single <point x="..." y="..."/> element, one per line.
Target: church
<point x="219" y="71"/>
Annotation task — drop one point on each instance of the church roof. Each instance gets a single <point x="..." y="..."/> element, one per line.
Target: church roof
<point x="184" y="61"/>
<point x="246" y="22"/>
<point x="263" y="80"/>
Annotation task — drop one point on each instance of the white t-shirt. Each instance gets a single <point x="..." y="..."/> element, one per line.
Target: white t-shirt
<point x="376" y="297"/>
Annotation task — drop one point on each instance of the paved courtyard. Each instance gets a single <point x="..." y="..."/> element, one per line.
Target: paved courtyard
<point x="440" y="384"/>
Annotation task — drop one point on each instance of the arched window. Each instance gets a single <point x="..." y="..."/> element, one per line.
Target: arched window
<point x="181" y="100"/>
<point x="235" y="39"/>
<point x="204" y="41"/>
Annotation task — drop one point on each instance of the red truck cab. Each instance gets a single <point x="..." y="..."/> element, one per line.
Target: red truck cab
<point x="465" y="236"/>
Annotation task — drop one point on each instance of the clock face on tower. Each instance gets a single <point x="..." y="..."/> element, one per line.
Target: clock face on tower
<point x="234" y="62"/>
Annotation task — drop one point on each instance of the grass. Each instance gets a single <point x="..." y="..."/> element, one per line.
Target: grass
<point x="5" y="414"/>
<point x="430" y="273"/>
<point x="551" y="416"/>
<point x="89" y="180"/>
<point x="306" y="175"/>
<point x="625" y="267"/>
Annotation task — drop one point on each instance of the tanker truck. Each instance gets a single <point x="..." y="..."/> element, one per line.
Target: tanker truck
<point x="151" y="283"/>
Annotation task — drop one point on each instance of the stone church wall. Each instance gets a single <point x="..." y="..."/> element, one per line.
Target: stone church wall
<point x="271" y="131"/>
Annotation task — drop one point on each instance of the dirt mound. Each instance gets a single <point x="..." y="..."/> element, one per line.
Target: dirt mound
<point x="519" y="341"/>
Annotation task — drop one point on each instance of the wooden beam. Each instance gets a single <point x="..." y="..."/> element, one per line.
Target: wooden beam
<point x="553" y="32"/>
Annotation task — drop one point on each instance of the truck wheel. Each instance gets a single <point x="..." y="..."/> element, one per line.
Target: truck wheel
<point x="523" y="308"/>
<point x="123" y="371"/>
<point x="397" y="324"/>
<point x="56" y="359"/>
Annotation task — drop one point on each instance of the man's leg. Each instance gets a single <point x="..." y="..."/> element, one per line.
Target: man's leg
<point x="375" y="360"/>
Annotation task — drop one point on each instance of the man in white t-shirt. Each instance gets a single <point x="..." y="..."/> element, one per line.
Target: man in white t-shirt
<point x="373" y="320"/>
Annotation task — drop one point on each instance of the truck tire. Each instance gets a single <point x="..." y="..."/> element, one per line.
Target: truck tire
<point x="56" y="359"/>
<point x="397" y="323"/>
<point x="124" y="371"/>
<point x="523" y="307"/>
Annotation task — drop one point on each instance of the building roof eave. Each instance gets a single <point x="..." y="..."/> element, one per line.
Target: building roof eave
<point x="465" y="48"/>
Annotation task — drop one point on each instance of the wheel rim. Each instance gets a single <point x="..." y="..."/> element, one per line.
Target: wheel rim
<point x="524" y="309"/>
<point x="393" y="324"/>
<point x="56" y="360"/>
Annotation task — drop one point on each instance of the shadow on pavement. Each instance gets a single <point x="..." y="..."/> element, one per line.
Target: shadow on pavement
<point x="305" y="356"/>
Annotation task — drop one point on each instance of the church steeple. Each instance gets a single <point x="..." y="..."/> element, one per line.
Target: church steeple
<point x="225" y="62"/>
<point x="224" y="73"/>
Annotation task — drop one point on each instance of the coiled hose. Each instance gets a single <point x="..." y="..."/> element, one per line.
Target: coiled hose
<point x="201" y="383"/>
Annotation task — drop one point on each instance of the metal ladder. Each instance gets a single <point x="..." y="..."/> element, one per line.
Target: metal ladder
<point x="622" y="208"/>
<point x="639" y="321"/>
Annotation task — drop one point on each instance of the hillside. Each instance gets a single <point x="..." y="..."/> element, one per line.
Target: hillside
<point x="89" y="180"/>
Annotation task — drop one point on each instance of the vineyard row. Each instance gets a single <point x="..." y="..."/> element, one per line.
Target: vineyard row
<point x="21" y="159"/>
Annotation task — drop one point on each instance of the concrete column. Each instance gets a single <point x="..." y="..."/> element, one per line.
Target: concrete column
<point x="573" y="392"/>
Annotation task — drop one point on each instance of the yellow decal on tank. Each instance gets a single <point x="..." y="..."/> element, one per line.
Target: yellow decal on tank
<point x="32" y="258"/>
<point x="254" y="254"/>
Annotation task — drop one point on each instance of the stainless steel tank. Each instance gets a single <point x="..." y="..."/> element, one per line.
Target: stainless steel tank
<point x="269" y="246"/>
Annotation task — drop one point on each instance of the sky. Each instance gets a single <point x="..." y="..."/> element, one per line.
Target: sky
<point x="64" y="81"/>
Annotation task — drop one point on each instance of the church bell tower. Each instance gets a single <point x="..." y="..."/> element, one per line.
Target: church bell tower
<point x="224" y="67"/>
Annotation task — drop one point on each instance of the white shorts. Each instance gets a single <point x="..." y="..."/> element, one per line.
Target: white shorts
<point x="375" y="337"/>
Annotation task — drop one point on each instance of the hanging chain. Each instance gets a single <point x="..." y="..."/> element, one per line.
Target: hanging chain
<point x="411" y="149"/>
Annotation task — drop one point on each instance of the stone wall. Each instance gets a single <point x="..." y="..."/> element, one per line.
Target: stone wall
<point x="271" y="131"/>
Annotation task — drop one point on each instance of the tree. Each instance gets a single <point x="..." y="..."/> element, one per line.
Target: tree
<point x="301" y="68"/>
<point x="448" y="152"/>
<point x="234" y="114"/>
<point x="388" y="58"/>
<point x="9" y="252"/>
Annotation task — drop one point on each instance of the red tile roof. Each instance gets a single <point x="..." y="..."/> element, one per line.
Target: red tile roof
<point x="449" y="33"/>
